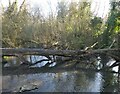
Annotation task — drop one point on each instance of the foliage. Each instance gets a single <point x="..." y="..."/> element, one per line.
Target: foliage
<point x="73" y="27"/>
<point x="112" y="24"/>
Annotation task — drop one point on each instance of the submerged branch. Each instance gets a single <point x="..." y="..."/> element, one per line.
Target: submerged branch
<point x="38" y="62"/>
<point x="44" y="52"/>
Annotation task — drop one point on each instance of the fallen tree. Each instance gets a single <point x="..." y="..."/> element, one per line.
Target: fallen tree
<point x="28" y="51"/>
<point x="70" y="55"/>
<point x="32" y="51"/>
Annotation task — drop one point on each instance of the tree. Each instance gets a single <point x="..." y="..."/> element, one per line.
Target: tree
<point x="112" y="24"/>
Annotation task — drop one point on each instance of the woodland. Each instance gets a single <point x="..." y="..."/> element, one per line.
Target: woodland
<point x="73" y="27"/>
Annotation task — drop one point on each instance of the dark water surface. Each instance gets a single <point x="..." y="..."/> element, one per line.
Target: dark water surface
<point x="69" y="81"/>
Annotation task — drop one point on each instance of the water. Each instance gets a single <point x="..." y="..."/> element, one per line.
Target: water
<point x="69" y="81"/>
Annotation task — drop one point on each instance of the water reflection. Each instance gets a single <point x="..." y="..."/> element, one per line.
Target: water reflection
<point x="72" y="81"/>
<point x="54" y="82"/>
<point x="62" y="82"/>
<point x="109" y="82"/>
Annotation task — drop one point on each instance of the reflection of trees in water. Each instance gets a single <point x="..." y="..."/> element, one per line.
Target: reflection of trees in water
<point x="80" y="81"/>
<point x="64" y="82"/>
<point x="90" y="75"/>
<point x="104" y="59"/>
<point x="72" y="81"/>
<point x="110" y="83"/>
<point x="119" y="83"/>
<point x="83" y="81"/>
<point x="10" y="83"/>
<point x="15" y="82"/>
<point x="11" y="61"/>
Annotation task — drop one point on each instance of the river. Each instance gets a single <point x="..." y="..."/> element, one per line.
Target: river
<point x="68" y="81"/>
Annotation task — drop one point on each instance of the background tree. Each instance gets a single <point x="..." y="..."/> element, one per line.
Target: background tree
<point x="112" y="25"/>
<point x="73" y="26"/>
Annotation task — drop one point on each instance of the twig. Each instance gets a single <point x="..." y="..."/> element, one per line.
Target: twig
<point x="39" y="62"/>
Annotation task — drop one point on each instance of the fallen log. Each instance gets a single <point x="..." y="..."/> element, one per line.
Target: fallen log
<point x="74" y="54"/>
<point x="44" y="52"/>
